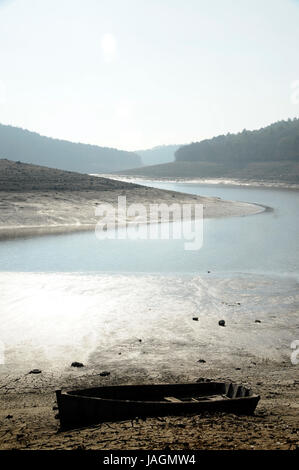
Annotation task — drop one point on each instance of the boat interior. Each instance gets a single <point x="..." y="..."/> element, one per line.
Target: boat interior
<point x="175" y="393"/>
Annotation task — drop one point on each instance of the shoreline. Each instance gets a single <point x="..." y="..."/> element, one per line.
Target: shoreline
<point x="104" y="333"/>
<point x="171" y="347"/>
<point x="13" y="233"/>
<point x="37" y="213"/>
<point x="203" y="181"/>
<point x="33" y="426"/>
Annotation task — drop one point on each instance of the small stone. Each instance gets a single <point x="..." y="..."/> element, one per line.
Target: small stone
<point x="221" y="323"/>
<point x="35" y="371"/>
<point x="195" y="318"/>
<point x="104" y="374"/>
<point x="77" y="364"/>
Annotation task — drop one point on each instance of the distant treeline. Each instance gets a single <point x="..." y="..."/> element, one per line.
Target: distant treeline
<point x="158" y="155"/>
<point x="29" y="147"/>
<point x="277" y="142"/>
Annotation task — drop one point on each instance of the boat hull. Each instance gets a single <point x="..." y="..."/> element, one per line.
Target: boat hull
<point x="82" y="407"/>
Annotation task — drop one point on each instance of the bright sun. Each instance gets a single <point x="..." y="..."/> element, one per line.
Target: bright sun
<point x="108" y="44"/>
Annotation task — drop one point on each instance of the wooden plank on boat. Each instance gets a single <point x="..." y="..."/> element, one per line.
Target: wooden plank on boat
<point x="173" y="399"/>
<point x="215" y="397"/>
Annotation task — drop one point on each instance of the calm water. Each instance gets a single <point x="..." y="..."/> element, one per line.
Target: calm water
<point x="66" y="297"/>
<point x="263" y="243"/>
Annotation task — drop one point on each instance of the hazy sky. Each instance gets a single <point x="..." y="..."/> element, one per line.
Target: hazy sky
<point x="137" y="73"/>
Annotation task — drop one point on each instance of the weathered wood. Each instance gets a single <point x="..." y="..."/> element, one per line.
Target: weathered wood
<point x="173" y="399"/>
<point x="115" y="403"/>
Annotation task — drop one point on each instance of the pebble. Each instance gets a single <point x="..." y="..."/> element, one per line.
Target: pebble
<point x="35" y="371"/>
<point x="77" y="364"/>
<point x="104" y="374"/>
<point x="221" y="323"/>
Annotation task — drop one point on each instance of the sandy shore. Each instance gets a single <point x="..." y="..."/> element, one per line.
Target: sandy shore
<point x="27" y="418"/>
<point x="36" y="212"/>
<point x="104" y="332"/>
<point x="197" y="180"/>
<point x="36" y="200"/>
<point x="49" y="320"/>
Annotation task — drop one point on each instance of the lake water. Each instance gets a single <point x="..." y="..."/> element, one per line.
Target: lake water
<point x="73" y="297"/>
<point x="265" y="243"/>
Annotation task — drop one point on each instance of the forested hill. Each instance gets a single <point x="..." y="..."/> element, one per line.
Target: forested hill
<point x="277" y="142"/>
<point x="268" y="154"/>
<point x="29" y="147"/>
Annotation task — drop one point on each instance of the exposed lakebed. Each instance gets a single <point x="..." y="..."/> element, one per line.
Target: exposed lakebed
<point x="73" y="297"/>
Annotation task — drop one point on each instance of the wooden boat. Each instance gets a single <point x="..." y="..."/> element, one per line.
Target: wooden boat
<point x="113" y="403"/>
